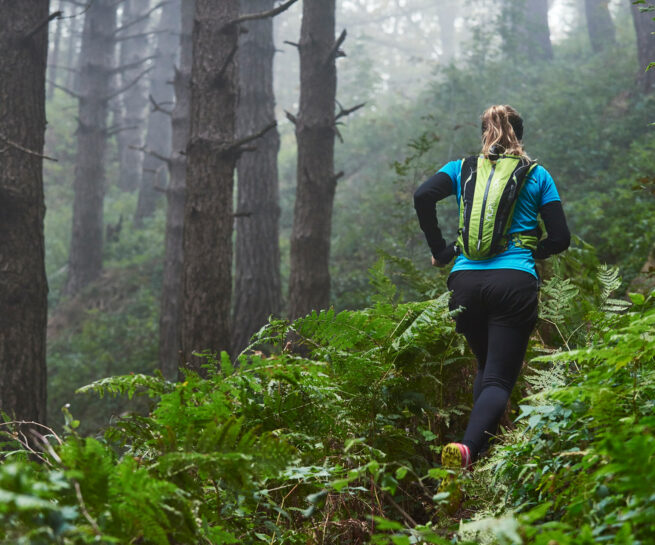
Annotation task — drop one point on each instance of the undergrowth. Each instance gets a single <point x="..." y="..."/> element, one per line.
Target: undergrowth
<point x="328" y="430"/>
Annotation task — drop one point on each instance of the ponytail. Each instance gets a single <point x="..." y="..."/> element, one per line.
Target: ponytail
<point x="502" y="127"/>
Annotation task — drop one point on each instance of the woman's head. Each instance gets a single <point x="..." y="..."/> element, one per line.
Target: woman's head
<point x="502" y="126"/>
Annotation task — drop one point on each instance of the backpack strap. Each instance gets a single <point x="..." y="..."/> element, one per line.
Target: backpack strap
<point x="523" y="239"/>
<point x="467" y="190"/>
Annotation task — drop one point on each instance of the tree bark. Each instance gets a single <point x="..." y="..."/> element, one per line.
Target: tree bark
<point x="527" y="32"/>
<point x="309" y="282"/>
<point x="258" y="286"/>
<point x="171" y="298"/>
<point x="599" y="25"/>
<point x="537" y="31"/>
<point x="23" y="284"/>
<point x="54" y="56"/>
<point x="208" y="218"/>
<point x="135" y="99"/>
<point x="158" y="135"/>
<point x="645" y="27"/>
<point x="96" y="63"/>
<point x="72" y="53"/>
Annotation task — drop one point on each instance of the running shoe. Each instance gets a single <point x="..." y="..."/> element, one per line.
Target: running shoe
<point x="456" y="455"/>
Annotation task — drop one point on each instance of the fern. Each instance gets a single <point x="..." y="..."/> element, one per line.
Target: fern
<point x="610" y="281"/>
<point x="557" y="296"/>
<point x="128" y="385"/>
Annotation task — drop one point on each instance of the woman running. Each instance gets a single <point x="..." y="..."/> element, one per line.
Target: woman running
<point x="498" y="294"/>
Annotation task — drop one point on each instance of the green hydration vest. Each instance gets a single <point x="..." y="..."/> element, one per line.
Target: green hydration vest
<point x="490" y="190"/>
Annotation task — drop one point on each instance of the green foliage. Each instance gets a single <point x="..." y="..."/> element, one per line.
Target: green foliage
<point x="270" y="447"/>
<point x="584" y="120"/>
<point x="580" y="456"/>
<point x="118" y="336"/>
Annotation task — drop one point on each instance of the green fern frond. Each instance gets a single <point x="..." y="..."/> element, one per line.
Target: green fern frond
<point x="610" y="281"/>
<point x="557" y="296"/>
<point x="128" y="385"/>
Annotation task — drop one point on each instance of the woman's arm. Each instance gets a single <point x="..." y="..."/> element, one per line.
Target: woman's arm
<point x="559" y="236"/>
<point x="431" y="191"/>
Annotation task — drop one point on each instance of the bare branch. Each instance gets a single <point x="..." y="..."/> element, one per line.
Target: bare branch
<point x="42" y="24"/>
<point x="46" y="444"/>
<point x="131" y="65"/>
<point x="261" y="15"/>
<point x="291" y="117"/>
<point x="116" y="129"/>
<point x="227" y="62"/>
<point x="141" y="18"/>
<point x="140" y="35"/>
<point x="294" y="44"/>
<point x="152" y="153"/>
<point x="238" y="144"/>
<point x="87" y="516"/>
<point x="17" y="146"/>
<point x="156" y="107"/>
<point x="346" y="112"/>
<point x="129" y="85"/>
<point x="244" y="214"/>
<point x="85" y="5"/>
<point x="334" y="52"/>
<point x="66" y="90"/>
<point x="337" y="176"/>
<point x="62" y="67"/>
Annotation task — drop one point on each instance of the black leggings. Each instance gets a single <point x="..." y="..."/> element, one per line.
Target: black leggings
<point x="499" y="313"/>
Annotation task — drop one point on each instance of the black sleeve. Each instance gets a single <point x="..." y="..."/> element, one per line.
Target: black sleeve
<point x="434" y="189"/>
<point x="559" y="236"/>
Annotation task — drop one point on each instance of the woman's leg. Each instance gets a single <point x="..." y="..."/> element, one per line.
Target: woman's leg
<point x="505" y="353"/>
<point x="477" y="339"/>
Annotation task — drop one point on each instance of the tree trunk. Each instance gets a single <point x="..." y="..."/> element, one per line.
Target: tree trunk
<point x="72" y="53"/>
<point x="309" y="282"/>
<point x="158" y="136"/>
<point x="54" y="56"/>
<point x="525" y="29"/>
<point x="258" y="286"/>
<point x="135" y="99"/>
<point x="171" y="298"/>
<point x="96" y="62"/>
<point x="537" y="31"/>
<point x="599" y="25"/>
<point x="23" y="285"/>
<point x="208" y="217"/>
<point x="645" y="27"/>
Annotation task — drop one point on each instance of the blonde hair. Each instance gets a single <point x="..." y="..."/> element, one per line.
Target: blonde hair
<point x="498" y="128"/>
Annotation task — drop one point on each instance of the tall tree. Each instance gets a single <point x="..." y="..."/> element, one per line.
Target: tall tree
<point x="645" y="29"/>
<point x="23" y="285"/>
<point x="171" y="299"/>
<point x="525" y="29"/>
<point x="599" y="24"/>
<point x="53" y="58"/>
<point x="257" y="285"/>
<point x="95" y="73"/>
<point x="536" y="31"/>
<point x="134" y="51"/>
<point x="72" y="42"/>
<point x="309" y="281"/>
<point x="158" y="134"/>
<point x="211" y="158"/>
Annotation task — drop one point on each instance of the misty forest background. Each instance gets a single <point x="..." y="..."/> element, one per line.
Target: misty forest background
<point x="181" y="220"/>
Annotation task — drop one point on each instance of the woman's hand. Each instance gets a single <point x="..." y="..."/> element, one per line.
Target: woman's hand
<point x="445" y="256"/>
